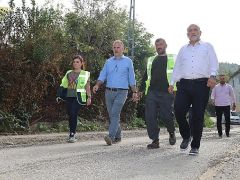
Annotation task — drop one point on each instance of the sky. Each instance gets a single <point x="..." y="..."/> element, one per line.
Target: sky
<point x="169" y="19"/>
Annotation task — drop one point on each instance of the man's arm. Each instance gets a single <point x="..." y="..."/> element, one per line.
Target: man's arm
<point x="233" y="98"/>
<point x="177" y="68"/>
<point x="176" y="71"/>
<point x="143" y="82"/>
<point x="131" y="76"/>
<point x="97" y="86"/>
<point x="102" y="77"/>
<point x="132" y="82"/>
<point x="213" y="95"/>
<point x="214" y="66"/>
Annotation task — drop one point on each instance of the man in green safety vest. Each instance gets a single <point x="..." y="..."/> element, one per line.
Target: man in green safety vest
<point x="159" y="102"/>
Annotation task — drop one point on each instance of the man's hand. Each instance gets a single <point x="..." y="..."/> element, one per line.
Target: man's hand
<point x="170" y="89"/>
<point x="211" y="82"/>
<point x="135" y="97"/>
<point x="95" y="89"/>
<point x="234" y="107"/>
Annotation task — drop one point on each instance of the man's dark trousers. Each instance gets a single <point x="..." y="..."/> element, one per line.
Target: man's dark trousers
<point x="158" y="104"/>
<point x="220" y="110"/>
<point x="193" y="92"/>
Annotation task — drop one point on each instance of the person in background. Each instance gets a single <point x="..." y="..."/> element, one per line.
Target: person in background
<point x="75" y="91"/>
<point x="159" y="102"/>
<point x="195" y="72"/>
<point x="118" y="72"/>
<point x="223" y="98"/>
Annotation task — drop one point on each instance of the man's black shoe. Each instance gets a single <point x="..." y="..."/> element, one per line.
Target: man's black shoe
<point x="227" y="135"/>
<point x="194" y="152"/>
<point x="154" y="144"/>
<point x="172" y="138"/>
<point x="184" y="144"/>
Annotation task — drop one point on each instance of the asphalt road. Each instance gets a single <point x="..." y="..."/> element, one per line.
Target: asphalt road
<point x="92" y="159"/>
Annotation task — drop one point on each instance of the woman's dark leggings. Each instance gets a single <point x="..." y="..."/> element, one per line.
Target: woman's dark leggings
<point x="72" y="109"/>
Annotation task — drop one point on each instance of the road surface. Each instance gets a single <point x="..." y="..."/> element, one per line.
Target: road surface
<point x="130" y="159"/>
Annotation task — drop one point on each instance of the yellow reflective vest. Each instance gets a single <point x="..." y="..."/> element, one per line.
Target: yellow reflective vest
<point x="170" y="66"/>
<point x="81" y="83"/>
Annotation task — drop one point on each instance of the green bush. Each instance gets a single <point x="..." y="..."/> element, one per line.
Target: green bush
<point x="42" y="127"/>
<point x="21" y="113"/>
<point x="50" y="127"/>
<point x="136" y="123"/>
<point x="207" y="121"/>
<point x="84" y="125"/>
<point x="10" y="123"/>
<point x="60" y="126"/>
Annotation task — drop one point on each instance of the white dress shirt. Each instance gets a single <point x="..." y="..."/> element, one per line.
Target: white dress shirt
<point x="195" y="61"/>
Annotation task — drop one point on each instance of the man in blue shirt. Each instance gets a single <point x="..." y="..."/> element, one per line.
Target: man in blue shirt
<point x="118" y="72"/>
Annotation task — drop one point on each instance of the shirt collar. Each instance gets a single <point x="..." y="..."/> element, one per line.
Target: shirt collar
<point x="198" y="43"/>
<point x="118" y="58"/>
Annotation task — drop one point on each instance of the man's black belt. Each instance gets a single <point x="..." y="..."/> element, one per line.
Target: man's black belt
<point x="115" y="89"/>
<point x="194" y="80"/>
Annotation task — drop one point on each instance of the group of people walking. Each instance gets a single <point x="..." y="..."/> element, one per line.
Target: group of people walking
<point x="169" y="87"/>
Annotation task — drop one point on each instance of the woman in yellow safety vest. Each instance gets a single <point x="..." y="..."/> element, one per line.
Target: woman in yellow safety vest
<point x="75" y="91"/>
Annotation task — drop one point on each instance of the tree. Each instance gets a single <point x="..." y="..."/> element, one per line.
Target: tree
<point x="37" y="51"/>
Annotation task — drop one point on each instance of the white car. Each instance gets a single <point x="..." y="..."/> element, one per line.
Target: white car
<point x="234" y="118"/>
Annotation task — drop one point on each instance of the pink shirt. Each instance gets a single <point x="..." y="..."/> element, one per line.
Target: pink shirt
<point x="223" y="95"/>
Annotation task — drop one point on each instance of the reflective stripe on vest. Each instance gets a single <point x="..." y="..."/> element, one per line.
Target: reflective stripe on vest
<point x="170" y="66"/>
<point x="82" y="81"/>
<point x="81" y="90"/>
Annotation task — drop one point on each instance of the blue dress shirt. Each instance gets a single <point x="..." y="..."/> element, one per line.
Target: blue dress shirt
<point x="118" y="73"/>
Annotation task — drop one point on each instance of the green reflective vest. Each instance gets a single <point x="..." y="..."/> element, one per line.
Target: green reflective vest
<point x="81" y="83"/>
<point x="170" y="65"/>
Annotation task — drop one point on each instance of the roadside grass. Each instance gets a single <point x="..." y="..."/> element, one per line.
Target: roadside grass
<point x="136" y="123"/>
<point x="208" y="123"/>
<point x="57" y="127"/>
<point x="85" y="125"/>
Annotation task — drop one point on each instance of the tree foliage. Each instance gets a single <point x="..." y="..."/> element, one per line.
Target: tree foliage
<point x="37" y="44"/>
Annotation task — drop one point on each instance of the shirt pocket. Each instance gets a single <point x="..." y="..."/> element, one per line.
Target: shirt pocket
<point x="202" y="54"/>
<point x="122" y="70"/>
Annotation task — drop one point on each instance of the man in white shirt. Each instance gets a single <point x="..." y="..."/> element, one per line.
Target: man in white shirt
<point x="195" y="72"/>
<point x="223" y="97"/>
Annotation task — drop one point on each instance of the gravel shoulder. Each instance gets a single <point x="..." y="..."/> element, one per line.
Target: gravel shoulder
<point x="11" y="141"/>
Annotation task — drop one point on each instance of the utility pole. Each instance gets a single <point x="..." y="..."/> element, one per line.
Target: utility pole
<point x="131" y="41"/>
